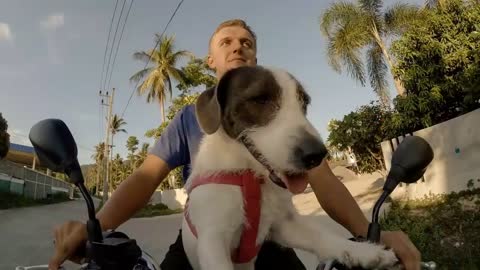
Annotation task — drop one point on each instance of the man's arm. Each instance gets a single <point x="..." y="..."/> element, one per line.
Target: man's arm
<point x="337" y="201"/>
<point x="339" y="204"/>
<point x="133" y="193"/>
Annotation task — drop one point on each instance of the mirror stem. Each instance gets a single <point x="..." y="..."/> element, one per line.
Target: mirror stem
<point x="374" y="229"/>
<point x="93" y="225"/>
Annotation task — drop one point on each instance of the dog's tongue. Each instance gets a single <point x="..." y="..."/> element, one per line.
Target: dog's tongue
<point x="297" y="184"/>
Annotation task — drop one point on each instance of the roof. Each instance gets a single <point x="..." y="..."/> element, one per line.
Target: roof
<point x="21" y="148"/>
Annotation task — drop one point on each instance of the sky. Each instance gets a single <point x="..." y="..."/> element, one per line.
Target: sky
<point x="51" y="60"/>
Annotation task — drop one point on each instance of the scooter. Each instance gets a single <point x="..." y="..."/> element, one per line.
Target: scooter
<point x="409" y="163"/>
<point x="57" y="150"/>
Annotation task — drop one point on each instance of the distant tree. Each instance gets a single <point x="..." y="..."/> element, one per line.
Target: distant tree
<point x="197" y="73"/>
<point x="157" y="79"/>
<point x="353" y="27"/>
<point x="4" y="137"/>
<point x="438" y="61"/>
<point x="362" y="131"/>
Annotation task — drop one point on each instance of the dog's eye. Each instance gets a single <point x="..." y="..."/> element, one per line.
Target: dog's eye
<point x="262" y="99"/>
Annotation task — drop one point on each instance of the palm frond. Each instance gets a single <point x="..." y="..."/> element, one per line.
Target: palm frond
<point x="158" y="84"/>
<point x="147" y="84"/>
<point x="169" y="82"/>
<point x="334" y="57"/>
<point x="140" y="74"/>
<point x="433" y="3"/>
<point x="400" y="16"/>
<point x="183" y="53"/>
<point x="373" y="7"/>
<point x="337" y="15"/>
<point x="177" y="74"/>
<point x="142" y="56"/>
<point x="345" y="47"/>
<point x="377" y="71"/>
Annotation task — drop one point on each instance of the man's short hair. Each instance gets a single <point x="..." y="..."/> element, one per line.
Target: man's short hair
<point x="234" y="22"/>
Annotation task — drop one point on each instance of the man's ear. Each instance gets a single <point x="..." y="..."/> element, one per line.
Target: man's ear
<point x="210" y="62"/>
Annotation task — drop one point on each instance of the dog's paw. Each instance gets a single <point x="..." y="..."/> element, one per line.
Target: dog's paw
<point x="369" y="256"/>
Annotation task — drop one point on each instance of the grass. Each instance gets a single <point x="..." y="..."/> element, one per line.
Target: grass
<point x="156" y="210"/>
<point x="11" y="200"/>
<point x="152" y="210"/>
<point x="445" y="228"/>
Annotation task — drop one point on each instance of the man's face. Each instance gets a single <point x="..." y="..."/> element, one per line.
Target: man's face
<point x="230" y="48"/>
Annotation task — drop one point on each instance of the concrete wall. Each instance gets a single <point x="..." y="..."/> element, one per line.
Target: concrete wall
<point x="456" y="146"/>
<point x="173" y="198"/>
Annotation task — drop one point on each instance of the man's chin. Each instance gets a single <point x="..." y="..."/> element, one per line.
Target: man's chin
<point x="238" y="64"/>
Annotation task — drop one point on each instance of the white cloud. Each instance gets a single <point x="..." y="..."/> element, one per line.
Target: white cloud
<point x="5" y="33"/>
<point x="19" y="136"/>
<point x="53" y="21"/>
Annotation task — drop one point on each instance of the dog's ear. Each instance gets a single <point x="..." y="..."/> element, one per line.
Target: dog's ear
<point x="208" y="111"/>
<point x="211" y="103"/>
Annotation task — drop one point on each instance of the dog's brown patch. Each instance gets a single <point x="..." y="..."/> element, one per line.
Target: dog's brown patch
<point x="251" y="99"/>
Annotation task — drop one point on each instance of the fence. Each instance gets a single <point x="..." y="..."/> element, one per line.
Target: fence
<point x="15" y="178"/>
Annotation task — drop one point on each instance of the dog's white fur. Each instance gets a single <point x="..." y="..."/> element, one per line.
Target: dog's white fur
<point x="216" y="210"/>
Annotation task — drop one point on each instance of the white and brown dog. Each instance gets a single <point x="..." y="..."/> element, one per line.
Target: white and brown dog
<point x="257" y="148"/>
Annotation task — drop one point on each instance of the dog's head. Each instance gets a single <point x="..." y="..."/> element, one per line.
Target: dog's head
<point x="269" y="106"/>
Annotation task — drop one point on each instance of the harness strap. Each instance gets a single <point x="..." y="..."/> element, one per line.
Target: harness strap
<point x="251" y="192"/>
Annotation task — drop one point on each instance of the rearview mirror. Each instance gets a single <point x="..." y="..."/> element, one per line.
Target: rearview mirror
<point x="409" y="161"/>
<point x="56" y="148"/>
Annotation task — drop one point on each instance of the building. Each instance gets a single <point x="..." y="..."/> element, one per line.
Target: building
<point x="22" y="173"/>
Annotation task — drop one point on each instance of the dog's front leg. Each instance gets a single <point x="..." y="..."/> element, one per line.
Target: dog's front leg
<point x="214" y="252"/>
<point x="216" y="212"/>
<point x="301" y="232"/>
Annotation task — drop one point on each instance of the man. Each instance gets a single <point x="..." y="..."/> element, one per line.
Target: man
<point x="232" y="45"/>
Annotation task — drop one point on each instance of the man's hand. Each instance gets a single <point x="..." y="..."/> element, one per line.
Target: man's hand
<point x="69" y="239"/>
<point x="403" y="248"/>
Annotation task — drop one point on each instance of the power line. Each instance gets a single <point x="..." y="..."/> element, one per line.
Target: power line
<point x="114" y="37"/>
<point x="100" y="109"/>
<point x="106" y="45"/>
<point x="118" y="44"/>
<point x="158" y="41"/>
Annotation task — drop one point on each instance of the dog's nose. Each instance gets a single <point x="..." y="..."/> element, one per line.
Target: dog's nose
<point x="310" y="152"/>
<point x="312" y="160"/>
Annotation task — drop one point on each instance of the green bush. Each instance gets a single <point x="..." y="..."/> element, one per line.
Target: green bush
<point x="151" y="210"/>
<point x="445" y="228"/>
<point x="11" y="200"/>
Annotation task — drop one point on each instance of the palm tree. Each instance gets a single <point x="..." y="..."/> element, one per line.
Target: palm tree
<point x="157" y="79"/>
<point x="132" y="146"/>
<point x="98" y="156"/>
<point x="115" y="127"/>
<point x="351" y="27"/>
<point x="142" y="154"/>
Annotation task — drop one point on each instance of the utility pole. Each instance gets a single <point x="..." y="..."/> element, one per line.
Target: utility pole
<point x="107" y="143"/>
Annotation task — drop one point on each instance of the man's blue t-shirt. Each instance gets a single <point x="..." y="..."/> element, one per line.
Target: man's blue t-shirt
<point x="179" y="141"/>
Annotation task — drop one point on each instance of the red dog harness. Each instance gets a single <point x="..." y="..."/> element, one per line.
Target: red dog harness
<point x="251" y="192"/>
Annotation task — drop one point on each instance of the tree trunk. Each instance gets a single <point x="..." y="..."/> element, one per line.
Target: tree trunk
<point x="97" y="184"/>
<point x="378" y="39"/>
<point x="162" y="107"/>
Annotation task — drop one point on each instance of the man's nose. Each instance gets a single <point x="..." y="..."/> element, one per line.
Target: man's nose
<point x="237" y="46"/>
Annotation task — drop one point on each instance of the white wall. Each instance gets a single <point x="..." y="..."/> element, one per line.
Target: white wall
<point x="456" y="147"/>
<point x="173" y="198"/>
